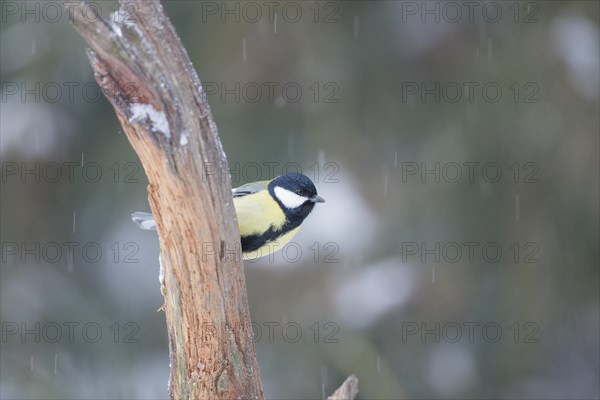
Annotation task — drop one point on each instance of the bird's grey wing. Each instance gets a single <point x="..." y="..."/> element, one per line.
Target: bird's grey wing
<point x="250" y="188"/>
<point x="146" y="220"/>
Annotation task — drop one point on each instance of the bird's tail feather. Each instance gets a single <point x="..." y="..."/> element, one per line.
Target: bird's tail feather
<point x="144" y="220"/>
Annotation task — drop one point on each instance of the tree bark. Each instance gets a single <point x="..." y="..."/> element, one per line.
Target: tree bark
<point x="144" y="71"/>
<point x="348" y="390"/>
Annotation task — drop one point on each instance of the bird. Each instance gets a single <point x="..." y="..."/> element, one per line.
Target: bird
<point x="269" y="213"/>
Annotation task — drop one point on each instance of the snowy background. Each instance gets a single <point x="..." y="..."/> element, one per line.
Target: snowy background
<point x="457" y="147"/>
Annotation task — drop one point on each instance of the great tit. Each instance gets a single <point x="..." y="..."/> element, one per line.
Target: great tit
<point x="269" y="213"/>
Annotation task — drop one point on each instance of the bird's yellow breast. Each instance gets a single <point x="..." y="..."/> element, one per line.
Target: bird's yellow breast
<point x="257" y="213"/>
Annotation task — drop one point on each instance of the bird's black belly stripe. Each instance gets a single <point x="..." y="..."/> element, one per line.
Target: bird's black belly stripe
<point x="254" y="242"/>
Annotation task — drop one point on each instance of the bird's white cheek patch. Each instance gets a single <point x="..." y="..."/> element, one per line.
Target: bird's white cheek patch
<point x="289" y="199"/>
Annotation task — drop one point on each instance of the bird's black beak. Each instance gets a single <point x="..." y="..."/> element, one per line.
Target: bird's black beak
<point x="317" y="199"/>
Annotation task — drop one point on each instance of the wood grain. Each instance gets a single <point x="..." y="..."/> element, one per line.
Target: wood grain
<point x="140" y="64"/>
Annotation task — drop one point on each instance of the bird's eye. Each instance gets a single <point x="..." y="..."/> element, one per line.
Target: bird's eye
<point x="299" y="192"/>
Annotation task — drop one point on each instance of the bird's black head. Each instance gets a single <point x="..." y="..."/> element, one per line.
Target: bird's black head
<point x="296" y="195"/>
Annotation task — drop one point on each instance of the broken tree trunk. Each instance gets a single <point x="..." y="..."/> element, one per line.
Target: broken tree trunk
<point x="145" y="73"/>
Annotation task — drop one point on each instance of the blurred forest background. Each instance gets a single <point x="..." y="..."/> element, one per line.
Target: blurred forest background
<point x="457" y="147"/>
